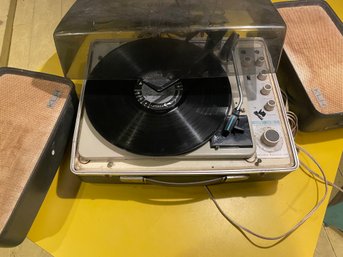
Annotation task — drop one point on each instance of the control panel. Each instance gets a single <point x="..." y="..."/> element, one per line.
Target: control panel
<point x="264" y="102"/>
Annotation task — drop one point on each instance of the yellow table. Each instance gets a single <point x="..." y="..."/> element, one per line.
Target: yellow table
<point x="143" y="220"/>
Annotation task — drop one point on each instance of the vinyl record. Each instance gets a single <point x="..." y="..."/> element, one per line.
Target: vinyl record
<point x="132" y="115"/>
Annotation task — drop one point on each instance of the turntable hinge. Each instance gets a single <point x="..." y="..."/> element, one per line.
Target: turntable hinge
<point x="132" y="179"/>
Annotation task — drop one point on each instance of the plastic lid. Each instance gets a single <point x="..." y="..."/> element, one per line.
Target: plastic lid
<point x="199" y="22"/>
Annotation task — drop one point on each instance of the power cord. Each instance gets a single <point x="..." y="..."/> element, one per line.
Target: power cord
<point x="298" y="224"/>
<point x="291" y="116"/>
<point x="293" y="122"/>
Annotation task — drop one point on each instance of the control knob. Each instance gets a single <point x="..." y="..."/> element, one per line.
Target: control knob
<point x="270" y="105"/>
<point x="262" y="75"/>
<point x="270" y="137"/>
<point x="247" y="61"/>
<point x="266" y="89"/>
<point x="260" y="61"/>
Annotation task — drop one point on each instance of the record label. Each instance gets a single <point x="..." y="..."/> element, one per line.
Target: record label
<point x="158" y="101"/>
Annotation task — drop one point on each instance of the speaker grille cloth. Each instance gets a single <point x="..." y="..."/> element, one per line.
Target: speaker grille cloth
<point x="26" y="121"/>
<point x="315" y="48"/>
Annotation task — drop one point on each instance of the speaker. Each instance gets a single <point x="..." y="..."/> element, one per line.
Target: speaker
<point x="311" y="66"/>
<point x="37" y="112"/>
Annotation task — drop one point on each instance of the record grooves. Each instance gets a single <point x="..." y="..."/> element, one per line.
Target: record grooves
<point x="132" y="115"/>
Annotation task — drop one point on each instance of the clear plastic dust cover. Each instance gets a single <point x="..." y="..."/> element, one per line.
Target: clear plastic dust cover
<point x="181" y="38"/>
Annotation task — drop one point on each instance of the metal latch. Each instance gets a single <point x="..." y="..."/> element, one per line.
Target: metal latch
<point x="132" y="179"/>
<point x="236" y="178"/>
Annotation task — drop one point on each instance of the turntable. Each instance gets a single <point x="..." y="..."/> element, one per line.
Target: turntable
<point x="176" y="92"/>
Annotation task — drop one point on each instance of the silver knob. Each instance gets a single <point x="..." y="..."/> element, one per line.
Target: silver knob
<point x="247" y="61"/>
<point x="260" y="61"/>
<point x="262" y="75"/>
<point x="270" y="105"/>
<point x="266" y="89"/>
<point x="270" y="137"/>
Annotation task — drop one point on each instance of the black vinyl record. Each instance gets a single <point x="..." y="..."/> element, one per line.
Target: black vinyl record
<point x="132" y="115"/>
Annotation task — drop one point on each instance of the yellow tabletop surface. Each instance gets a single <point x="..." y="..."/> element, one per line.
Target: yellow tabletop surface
<point x="84" y="219"/>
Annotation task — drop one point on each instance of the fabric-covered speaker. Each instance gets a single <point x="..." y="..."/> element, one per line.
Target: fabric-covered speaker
<point x="312" y="64"/>
<point x="36" y="116"/>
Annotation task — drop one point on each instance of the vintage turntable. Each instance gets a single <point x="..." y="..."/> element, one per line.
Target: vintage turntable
<point x="177" y="92"/>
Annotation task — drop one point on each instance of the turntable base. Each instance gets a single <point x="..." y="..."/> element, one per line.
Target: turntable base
<point x="96" y="159"/>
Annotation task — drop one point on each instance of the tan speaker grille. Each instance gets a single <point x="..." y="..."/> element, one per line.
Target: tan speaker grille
<point x="29" y="109"/>
<point x="315" y="48"/>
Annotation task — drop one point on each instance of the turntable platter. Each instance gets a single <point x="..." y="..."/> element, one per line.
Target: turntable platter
<point x="126" y="109"/>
